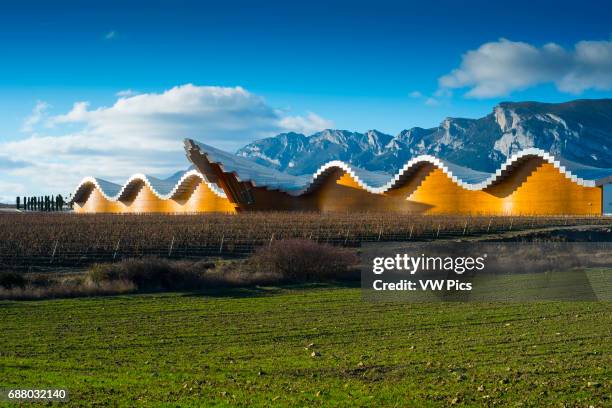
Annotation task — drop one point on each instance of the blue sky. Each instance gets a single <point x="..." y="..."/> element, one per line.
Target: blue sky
<point x="301" y="66"/>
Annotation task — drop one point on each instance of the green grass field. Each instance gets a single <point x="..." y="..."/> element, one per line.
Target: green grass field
<point x="251" y="347"/>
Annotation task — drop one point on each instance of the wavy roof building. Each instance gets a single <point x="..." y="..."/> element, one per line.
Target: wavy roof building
<point x="531" y="182"/>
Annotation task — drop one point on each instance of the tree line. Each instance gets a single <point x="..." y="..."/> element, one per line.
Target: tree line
<point x="42" y="203"/>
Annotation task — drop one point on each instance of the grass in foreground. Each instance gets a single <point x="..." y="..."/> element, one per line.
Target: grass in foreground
<point x="307" y="346"/>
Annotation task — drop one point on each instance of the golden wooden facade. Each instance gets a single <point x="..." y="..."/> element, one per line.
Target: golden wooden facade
<point x="201" y="199"/>
<point x="533" y="187"/>
<point x="536" y="188"/>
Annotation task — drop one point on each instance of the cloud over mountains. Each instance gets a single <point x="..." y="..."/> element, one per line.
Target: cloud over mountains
<point x="139" y="132"/>
<point x="500" y="67"/>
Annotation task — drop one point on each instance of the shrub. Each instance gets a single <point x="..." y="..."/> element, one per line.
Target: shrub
<point x="151" y="273"/>
<point x="293" y="260"/>
<point x="58" y="289"/>
<point x="11" y="280"/>
<point x="305" y="260"/>
<point x="286" y="261"/>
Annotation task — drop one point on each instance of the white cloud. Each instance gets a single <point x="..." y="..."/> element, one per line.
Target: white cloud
<point x="38" y="114"/>
<point x="139" y="133"/>
<point x="226" y="117"/>
<point x="443" y="93"/>
<point x="111" y="35"/>
<point x="432" y="102"/>
<point x="307" y="125"/>
<point x="415" y="94"/>
<point x="501" y="67"/>
<point x="429" y="100"/>
<point x="126" y="93"/>
<point x="15" y="189"/>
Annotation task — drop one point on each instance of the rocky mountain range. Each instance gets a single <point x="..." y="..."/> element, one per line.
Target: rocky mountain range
<point x="580" y="131"/>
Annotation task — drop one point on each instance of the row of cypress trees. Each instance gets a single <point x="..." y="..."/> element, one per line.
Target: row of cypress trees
<point x="41" y="203"/>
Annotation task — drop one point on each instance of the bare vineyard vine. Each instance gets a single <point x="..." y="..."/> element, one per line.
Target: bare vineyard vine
<point x="67" y="239"/>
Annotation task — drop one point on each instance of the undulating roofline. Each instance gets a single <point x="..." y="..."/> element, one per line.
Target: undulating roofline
<point x="162" y="189"/>
<point x="378" y="182"/>
<point x="247" y="170"/>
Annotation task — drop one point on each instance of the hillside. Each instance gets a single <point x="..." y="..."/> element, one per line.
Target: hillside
<point x="580" y="131"/>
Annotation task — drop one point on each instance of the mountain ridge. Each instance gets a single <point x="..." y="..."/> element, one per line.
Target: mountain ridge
<point x="578" y="130"/>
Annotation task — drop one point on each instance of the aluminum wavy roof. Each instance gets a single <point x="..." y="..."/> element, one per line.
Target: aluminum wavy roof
<point x="380" y="182"/>
<point x="163" y="189"/>
<point x="372" y="181"/>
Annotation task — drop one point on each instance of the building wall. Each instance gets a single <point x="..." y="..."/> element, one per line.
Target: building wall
<point x="144" y="201"/>
<point x="534" y="187"/>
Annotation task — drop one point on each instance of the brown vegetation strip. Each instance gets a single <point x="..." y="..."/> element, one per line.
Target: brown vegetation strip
<point x="70" y="239"/>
